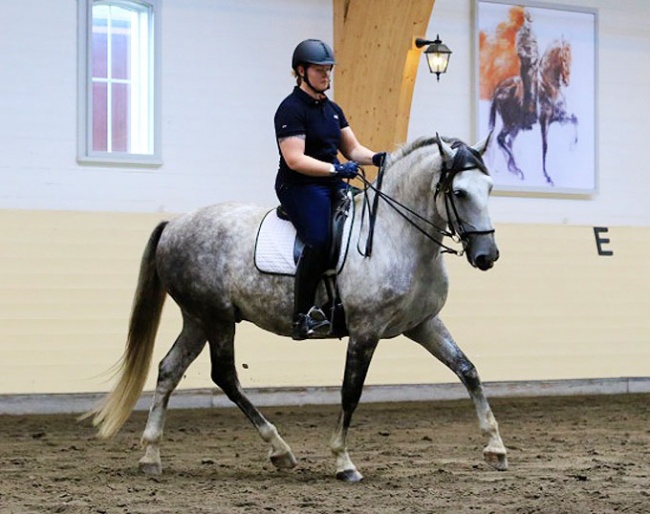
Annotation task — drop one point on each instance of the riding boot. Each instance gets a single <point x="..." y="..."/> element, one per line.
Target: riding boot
<point x="308" y="320"/>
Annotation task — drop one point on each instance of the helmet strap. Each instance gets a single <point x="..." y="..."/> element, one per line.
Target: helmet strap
<point x="305" y="79"/>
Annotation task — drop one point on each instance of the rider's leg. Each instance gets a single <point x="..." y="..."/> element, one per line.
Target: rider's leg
<point x="309" y="207"/>
<point x="308" y="320"/>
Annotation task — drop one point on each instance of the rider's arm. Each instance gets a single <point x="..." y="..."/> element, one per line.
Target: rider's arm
<point x="352" y="149"/>
<point x="293" y="152"/>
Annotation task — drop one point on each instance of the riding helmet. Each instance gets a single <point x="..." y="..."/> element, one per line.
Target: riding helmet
<point x="312" y="51"/>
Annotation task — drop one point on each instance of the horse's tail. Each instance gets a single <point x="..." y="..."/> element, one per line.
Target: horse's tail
<point x="133" y="367"/>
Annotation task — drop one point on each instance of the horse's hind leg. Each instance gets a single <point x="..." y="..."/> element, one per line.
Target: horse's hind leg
<point x="434" y="336"/>
<point x="357" y="362"/>
<point x="185" y="350"/>
<point x="224" y="374"/>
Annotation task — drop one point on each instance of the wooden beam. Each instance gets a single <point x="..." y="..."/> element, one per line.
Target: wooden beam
<point x="377" y="64"/>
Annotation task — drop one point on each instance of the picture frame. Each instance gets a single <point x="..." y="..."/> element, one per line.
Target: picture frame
<point x="535" y="91"/>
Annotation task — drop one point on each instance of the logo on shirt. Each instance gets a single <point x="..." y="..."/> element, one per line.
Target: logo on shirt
<point x="336" y="116"/>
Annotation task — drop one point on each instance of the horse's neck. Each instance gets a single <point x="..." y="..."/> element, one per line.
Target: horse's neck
<point x="410" y="183"/>
<point x="551" y="67"/>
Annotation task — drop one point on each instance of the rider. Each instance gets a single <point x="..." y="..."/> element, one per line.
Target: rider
<point x="526" y="44"/>
<point x="310" y="130"/>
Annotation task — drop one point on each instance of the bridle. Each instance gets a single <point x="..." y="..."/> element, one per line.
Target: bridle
<point x="465" y="159"/>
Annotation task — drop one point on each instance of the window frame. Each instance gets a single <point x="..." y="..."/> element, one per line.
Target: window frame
<point x="85" y="154"/>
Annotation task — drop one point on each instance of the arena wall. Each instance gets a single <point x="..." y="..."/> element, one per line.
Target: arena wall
<point x="71" y="236"/>
<point x="552" y="308"/>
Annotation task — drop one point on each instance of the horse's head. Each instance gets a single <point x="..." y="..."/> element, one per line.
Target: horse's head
<point x="462" y="194"/>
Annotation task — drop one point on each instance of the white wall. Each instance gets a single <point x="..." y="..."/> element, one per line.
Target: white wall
<point x="226" y="68"/>
<point x="623" y="110"/>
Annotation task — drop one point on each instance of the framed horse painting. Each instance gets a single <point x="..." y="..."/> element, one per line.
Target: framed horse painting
<point x="536" y="90"/>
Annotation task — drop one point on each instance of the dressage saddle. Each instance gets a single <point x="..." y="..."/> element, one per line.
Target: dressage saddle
<point x="340" y="211"/>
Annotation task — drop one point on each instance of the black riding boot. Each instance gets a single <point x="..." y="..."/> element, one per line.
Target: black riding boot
<point x="308" y="320"/>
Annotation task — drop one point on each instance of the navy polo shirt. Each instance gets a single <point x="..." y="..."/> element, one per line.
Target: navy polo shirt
<point x="320" y="121"/>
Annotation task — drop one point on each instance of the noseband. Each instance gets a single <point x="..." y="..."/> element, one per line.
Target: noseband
<point x="466" y="158"/>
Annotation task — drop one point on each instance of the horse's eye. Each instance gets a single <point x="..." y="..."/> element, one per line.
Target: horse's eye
<point x="460" y="194"/>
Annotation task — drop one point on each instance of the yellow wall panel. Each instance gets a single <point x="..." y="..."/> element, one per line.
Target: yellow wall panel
<point x="552" y="308"/>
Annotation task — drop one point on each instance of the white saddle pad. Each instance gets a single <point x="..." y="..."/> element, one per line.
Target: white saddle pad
<point x="275" y="243"/>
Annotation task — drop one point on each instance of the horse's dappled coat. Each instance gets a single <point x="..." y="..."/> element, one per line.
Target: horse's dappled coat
<point x="204" y="260"/>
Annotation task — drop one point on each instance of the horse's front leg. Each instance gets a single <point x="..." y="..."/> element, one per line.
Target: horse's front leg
<point x="359" y="355"/>
<point x="434" y="336"/>
<point x="506" y="139"/>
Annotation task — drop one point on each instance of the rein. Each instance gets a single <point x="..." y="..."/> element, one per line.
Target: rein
<point x="446" y="176"/>
<point x="400" y="209"/>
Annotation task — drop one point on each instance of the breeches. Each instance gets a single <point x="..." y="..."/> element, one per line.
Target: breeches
<point x="309" y="206"/>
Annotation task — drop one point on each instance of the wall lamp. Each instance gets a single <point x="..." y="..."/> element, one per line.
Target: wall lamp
<point x="437" y="54"/>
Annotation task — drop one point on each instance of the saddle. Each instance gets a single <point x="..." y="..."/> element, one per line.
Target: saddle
<point x="278" y="248"/>
<point x="340" y="211"/>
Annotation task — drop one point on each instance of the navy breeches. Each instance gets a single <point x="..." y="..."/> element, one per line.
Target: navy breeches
<point x="309" y="206"/>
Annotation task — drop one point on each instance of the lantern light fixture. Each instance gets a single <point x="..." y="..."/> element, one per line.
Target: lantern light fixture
<point x="437" y="54"/>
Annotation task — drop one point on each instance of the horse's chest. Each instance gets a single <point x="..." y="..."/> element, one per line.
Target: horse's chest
<point x="400" y="298"/>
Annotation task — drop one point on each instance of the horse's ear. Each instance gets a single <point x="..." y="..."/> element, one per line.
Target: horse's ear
<point x="446" y="151"/>
<point x="481" y="146"/>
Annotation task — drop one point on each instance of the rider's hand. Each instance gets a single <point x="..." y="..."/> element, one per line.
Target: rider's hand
<point x="348" y="169"/>
<point x="378" y="159"/>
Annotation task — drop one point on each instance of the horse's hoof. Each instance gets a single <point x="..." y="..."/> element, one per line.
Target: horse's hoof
<point x="150" y="468"/>
<point x="283" y="461"/>
<point x="498" y="461"/>
<point x="351" y="476"/>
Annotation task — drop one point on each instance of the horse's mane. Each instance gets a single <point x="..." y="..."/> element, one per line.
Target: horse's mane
<point x="411" y="147"/>
<point x="464" y="159"/>
<point x="422" y="142"/>
<point x="555" y="66"/>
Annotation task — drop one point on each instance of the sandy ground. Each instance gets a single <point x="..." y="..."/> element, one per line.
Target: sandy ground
<point x="567" y="455"/>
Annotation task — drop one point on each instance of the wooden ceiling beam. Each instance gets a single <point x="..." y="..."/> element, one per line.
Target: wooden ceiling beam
<point x="377" y="64"/>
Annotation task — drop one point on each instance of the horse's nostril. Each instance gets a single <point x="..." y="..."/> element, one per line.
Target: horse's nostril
<point x="483" y="262"/>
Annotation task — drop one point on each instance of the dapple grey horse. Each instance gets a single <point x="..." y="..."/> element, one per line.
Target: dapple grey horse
<point x="204" y="261"/>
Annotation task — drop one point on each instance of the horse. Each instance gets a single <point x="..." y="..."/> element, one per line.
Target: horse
<point x="550" y="76"/>
<point x="204" y="261"/>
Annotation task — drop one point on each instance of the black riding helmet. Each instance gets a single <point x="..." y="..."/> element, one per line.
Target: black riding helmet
<point x="312" y="51"/>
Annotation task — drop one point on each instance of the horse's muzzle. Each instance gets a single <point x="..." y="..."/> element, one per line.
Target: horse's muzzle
<point x="482" y="251"/>
<point x="484" y="262"/>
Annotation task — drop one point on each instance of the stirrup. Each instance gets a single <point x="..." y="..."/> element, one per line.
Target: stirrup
<point x="314" y="323"/>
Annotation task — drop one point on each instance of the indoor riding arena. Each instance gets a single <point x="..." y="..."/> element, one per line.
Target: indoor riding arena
<point x="532" y="397"/>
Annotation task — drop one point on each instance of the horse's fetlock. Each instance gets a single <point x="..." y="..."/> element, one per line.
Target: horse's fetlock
<point x="269" y="433"/>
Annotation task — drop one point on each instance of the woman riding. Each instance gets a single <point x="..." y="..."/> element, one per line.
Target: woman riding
<point x="310" y="131"/>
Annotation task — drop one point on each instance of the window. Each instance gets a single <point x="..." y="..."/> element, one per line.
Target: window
<point x="119" y="94"/>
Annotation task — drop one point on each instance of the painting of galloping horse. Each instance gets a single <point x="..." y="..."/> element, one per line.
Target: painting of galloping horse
<point x="536" y="90"/>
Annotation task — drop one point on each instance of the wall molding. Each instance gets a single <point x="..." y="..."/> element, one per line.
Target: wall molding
<point x="264" y="397"/>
